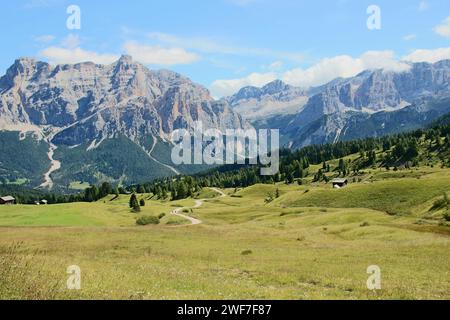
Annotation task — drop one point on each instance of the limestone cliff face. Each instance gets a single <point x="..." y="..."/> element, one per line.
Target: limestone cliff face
<point x="86" y="102"/>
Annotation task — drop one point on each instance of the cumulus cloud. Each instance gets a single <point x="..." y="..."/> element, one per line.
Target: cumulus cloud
<point x="431" y="56"/>
<point x="444" y="28"/>
<point x="59" y="55"/>
<point x="324" y="71"/>
<point x="70" y="52"/>
<point x="159" y="56"/>
<point x="343" y="67"/>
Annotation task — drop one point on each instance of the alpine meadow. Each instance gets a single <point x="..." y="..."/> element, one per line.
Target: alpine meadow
<point x="113" y="121"/>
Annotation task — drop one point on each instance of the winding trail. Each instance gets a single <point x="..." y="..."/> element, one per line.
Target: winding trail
<point x="198" y="204"/>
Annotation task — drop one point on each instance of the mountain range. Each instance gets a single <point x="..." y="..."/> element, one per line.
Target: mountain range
<point x="373" y="103"/>
<point x="68" y="126"/>
<point x="274" y="98"/>
<point x="100" y="122"/>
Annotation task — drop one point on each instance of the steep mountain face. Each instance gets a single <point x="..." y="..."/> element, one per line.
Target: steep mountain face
<point x="350" y="105"/>
<point x="81" y="106"/>
<point x="87" y="101"/>
<point x="356" y="125"/>
<point x="274" y="98"/>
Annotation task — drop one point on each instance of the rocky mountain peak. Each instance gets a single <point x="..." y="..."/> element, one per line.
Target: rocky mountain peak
<point x="276" y="87"/>
<point x="96" y="101"/>
<point x="126" y="59"/>
<point x="275" y="97"/>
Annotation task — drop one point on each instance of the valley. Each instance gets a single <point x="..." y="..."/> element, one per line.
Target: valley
<point x="313" y="242"/>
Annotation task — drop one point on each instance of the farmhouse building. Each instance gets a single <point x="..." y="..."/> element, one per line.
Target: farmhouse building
<point x="340" y="183"/>
<point x="7" y="200"/>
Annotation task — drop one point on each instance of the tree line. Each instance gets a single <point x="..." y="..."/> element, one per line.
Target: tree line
<point x="405" y="149"/>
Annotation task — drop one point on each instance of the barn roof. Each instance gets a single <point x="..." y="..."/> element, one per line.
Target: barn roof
<point x="7" y="198"/>
<point x="340" y="180"/>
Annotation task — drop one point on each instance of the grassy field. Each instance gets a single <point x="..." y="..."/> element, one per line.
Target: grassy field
<point x="311" y="243"/>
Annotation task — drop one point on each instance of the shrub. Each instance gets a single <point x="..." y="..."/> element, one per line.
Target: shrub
<point x="146" y="220"/>
<point x="136" y="209"/>
<point x="142" y="203"/>
<point x="441" y="203"/>
<point x="447" y="215"/>
<point x="246" y="252"/>
<point x="162" y="215"/>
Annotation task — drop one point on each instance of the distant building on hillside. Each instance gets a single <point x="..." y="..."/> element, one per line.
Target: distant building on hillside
<point x="339" y="183"/>
<point x="7" y="200"/>
<point x="38" y="203"/>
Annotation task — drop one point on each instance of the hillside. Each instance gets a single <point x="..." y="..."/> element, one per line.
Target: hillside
<point x="312" y="242"/>
<point x="288" y="237"/>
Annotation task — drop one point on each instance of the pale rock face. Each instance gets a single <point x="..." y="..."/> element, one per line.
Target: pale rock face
<point x="377" y="90"/>
<point x="86" y="102"/>
<point x="272" y="99"/>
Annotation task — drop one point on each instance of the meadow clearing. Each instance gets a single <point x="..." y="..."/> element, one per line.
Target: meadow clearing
<point x="312" y="242"/>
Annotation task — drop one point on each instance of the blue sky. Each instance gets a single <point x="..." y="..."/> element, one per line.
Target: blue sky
<point x="226" y="44"/>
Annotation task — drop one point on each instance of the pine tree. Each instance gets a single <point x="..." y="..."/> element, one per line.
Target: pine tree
<point x="133" y="201"/>
<point x="289" y="178"/>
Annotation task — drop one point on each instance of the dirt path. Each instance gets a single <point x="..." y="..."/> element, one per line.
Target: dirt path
<point x="198" y="204"/>
<point x="193" y="221"/>
<point x="222" y="194"/>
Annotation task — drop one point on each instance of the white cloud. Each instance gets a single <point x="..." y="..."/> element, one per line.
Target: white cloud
<point x="431" y="56"/>
<point x="343" y="66"/>
<point x="159" y="56"/>
<point x="208" y="45"/>
<point x="221" y="88"/>
<point x="444" y="28"/>
<point x="58" y="55"/>
<point x="409" y="37"/>
<point x="45" y="38"/>
<point x="324" y="71"/>
<point x="70" y="52"/>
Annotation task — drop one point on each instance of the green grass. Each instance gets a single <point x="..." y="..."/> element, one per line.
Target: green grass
<point x="314" y="245"/>
<point x="78" y="185"/>
<point x="394" y="196"/>
<point x="104" y="213"/>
